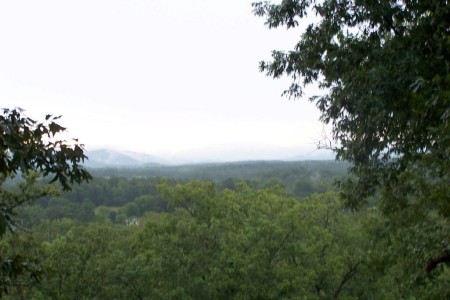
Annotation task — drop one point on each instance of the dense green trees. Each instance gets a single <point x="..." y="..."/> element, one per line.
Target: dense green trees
<point x="122" y="198"/>
<point x="243" y="243"/>
<point x="240" y="244"/>
<point x="30" y="149"/>
<point x="384" y="67"/>
<point x="219" y="243"/>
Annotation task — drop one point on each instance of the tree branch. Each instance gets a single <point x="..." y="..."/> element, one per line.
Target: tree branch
<point x="432" y="263"/>
<point x="351" y="272"/>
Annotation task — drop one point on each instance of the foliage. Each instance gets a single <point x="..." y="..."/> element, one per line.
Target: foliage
<point x="29" y="148"/>
<point x="22" y="268"/>
<point x="286" y="171"/>
<point x="73" y="261"/>
<point x="28" y="145"/>
<point x="385" y="68"/>
<point x="239" y="243"/>
<point x="133" y="197"/>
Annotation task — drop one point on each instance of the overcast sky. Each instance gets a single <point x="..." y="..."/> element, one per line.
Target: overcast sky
<point x="161" y="77"/>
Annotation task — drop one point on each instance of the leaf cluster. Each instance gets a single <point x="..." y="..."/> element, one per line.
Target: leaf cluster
<point x="27" y="145"/>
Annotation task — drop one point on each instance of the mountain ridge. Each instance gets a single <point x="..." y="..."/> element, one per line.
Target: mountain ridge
<point x="106" y="157"/>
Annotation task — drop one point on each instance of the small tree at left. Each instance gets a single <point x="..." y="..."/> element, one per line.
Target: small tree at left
<point x="31" y="149"/>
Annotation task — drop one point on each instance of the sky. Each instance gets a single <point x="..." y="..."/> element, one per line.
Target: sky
<point x="174" y="79"/>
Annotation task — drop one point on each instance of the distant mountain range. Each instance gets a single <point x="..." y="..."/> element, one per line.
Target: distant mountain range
<point x="107" y="158"/>
<point x="101" y="158"/>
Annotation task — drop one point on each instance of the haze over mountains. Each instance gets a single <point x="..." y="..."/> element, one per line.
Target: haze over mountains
<point x="107" y="157"/>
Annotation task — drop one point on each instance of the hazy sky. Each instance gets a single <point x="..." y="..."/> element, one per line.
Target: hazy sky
<point x="155" y="76"/>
